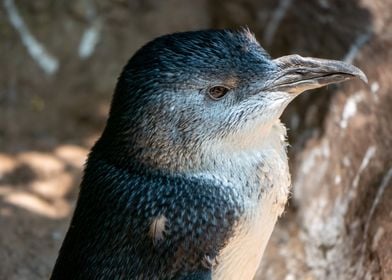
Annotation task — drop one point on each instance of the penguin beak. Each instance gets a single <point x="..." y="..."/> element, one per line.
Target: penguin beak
<point x="297" y="74"/>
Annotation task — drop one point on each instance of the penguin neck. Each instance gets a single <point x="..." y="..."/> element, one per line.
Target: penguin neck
<point x="220" y="156"/>
<point x="240" y="157"/>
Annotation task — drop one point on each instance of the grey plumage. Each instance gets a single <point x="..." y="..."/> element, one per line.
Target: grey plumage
<point x="181" y="185"/>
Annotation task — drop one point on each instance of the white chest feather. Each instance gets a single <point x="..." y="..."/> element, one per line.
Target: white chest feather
<point x="240" y="259"/>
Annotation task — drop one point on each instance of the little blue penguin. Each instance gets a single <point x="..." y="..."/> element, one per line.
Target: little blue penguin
<point x="191" y="173"/>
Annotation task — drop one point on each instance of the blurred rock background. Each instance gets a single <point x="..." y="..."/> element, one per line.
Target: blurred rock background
<point x="59" y="65"/>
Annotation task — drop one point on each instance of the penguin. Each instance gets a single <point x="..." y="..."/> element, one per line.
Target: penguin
<point x="191" y="172"/>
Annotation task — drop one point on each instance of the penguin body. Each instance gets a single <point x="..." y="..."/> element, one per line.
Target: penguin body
<point x="112" y="236"/>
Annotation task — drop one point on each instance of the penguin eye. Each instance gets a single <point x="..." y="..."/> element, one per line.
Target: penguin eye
<point x="217" y="92"/>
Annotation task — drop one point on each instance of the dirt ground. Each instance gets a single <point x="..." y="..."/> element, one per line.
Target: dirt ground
<point x="38" y="189"/>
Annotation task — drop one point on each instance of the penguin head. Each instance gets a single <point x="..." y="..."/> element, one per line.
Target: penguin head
<point x="181" y="91"/>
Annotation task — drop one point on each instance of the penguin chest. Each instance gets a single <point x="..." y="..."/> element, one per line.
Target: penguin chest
<point x="242" y="255"/>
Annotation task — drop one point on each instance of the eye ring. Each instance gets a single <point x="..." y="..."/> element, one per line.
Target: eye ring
<point x="217" y="92"/>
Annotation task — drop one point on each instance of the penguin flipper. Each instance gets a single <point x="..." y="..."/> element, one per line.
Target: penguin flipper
<point x="197" y="275"/>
